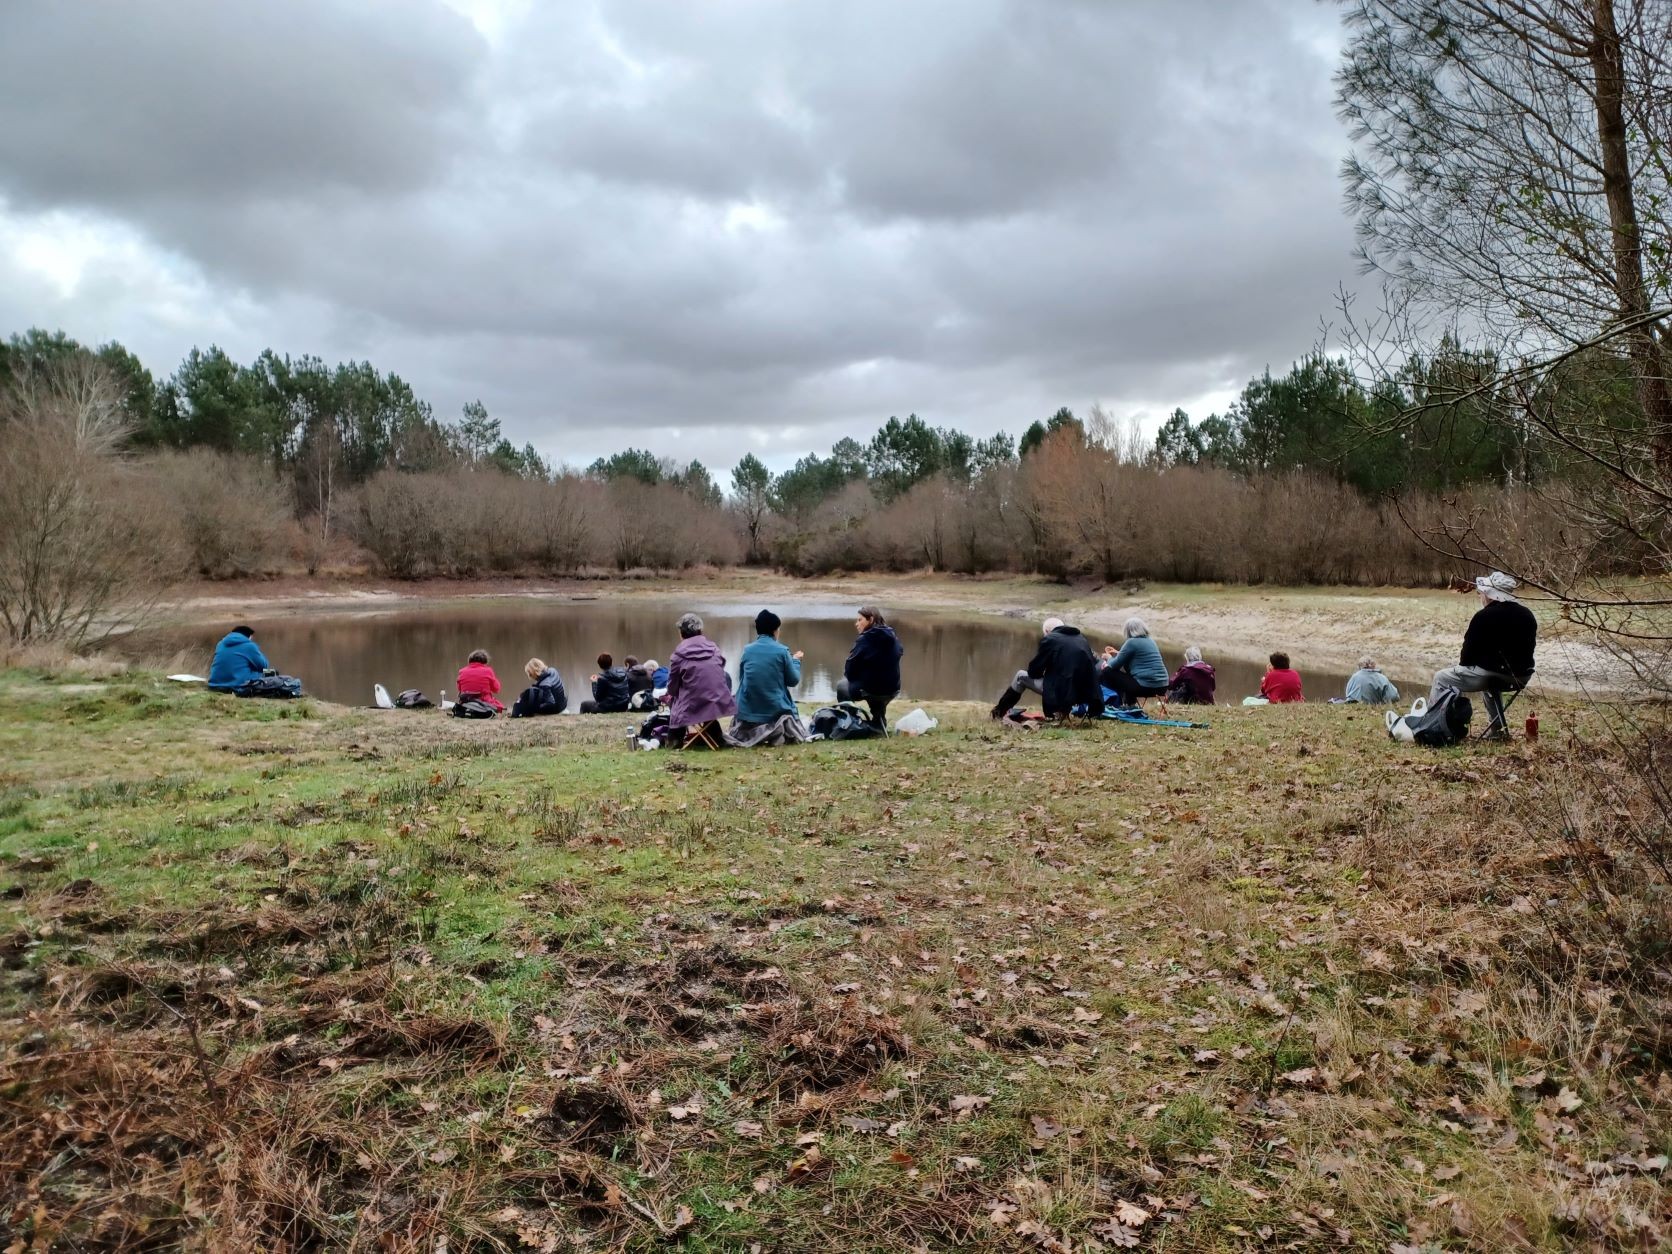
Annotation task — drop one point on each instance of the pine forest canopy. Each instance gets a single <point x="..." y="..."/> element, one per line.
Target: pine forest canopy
<point x="292" y="412"/>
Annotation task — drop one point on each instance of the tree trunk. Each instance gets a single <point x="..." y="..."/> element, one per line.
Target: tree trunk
<point x="1643" y="339"/>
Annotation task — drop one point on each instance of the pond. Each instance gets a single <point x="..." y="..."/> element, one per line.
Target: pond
<point x="339" y="655"/>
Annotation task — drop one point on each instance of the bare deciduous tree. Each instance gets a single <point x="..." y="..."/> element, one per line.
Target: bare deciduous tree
<point x="76" y="540"/>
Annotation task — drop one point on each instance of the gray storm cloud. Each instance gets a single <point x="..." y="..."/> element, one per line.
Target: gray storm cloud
<point x="707" y="227"/>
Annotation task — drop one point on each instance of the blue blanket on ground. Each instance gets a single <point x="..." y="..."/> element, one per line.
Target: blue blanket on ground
<point x="1132" y="714"/>
<point x="1138" y="716"/>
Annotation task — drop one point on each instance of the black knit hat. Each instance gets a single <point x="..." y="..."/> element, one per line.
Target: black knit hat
<point x="766" y="622"/>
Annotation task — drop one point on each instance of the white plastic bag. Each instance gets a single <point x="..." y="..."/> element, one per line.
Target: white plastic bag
<point x="1398" y="728"/>
<point x="915" y="723"/>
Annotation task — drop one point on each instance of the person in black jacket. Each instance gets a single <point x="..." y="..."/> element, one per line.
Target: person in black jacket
<point x="872" y="672"/>
<point x="609" y="688"/>
<point x="1497" y="648"/>
<point x="1063" y="672"/>
<point x="544" y="695"/>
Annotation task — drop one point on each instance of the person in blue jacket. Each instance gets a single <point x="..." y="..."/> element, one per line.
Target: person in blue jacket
<point x="238" y="660"/>
<point x="1138" y="669"/>
<point x="765" y="674"/>
<point x="872" y="672"/>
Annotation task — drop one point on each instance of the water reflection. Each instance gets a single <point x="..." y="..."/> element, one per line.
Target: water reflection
<point x="339" y="656"/>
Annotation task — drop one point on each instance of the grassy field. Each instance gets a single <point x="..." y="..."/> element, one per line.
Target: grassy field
<point x="301" y="977"/>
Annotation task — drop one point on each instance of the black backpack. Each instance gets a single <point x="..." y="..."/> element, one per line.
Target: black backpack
<point x="470" y="707"/>
<point x="412" y="699"/>
<point x="845" y="721"/>
<point x="1444" y="722"/>
<point x="281" y="687"/>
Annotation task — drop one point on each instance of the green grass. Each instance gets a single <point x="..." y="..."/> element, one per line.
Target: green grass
<point x="973" y="990"/>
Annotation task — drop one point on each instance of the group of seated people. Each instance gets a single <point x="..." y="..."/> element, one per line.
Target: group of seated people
<point x="1497" y="656"/>
<point x="696" y="689"/>
<point x="1070" y="678"/>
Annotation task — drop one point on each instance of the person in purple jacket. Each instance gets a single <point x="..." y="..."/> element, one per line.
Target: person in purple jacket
<point x="699" y="690"/>
<point x="1192" y="683"/>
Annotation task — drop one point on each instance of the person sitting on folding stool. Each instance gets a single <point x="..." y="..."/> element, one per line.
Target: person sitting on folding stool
<point x="1497" y="654"/>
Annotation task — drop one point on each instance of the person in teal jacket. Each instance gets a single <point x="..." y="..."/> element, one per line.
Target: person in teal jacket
<point x="765" y="674"/>
<point x="1137" y="670"/>
<point x="238" y="659"/>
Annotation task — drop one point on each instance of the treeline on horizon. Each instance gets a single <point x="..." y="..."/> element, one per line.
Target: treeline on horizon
<point x="1310" y="477"/>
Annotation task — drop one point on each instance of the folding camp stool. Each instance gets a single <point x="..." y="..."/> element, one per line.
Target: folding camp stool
<point x="1497" y="709"/>
<point x="701" y="736"/>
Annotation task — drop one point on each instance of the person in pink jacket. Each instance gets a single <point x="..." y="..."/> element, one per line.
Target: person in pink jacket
<point x="476" y="679"/>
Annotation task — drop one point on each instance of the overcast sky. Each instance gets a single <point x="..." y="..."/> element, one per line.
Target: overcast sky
<point x="699" y="226"/>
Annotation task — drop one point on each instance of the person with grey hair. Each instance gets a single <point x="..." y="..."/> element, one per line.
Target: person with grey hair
<point x="699" y="690"/>
<point x="1368" y="686"/>
<point x="1137" y="669"/>
<point x="1063" y="672"/>
<point x="1194" y="682"/>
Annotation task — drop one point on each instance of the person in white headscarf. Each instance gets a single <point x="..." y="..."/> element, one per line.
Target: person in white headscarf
<point x="1498" y="646"/>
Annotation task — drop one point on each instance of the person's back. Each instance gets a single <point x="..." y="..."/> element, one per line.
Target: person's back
<point x="698" y="691"/>
<point x="640" y="678"/>
<point x="1194" y="684"/>
<point x="1501" y="638"/>
<point x="1067" y="669"/>
<point x="1141" y="658"/>
<point x="873" y="664"/>
<point x="477" y="679"/>
<point x="610" y="690"/>
<point x="1281" y="686"/>
<point x="546" y="695"/>
<point x="765" y="674"/>
<point x="1368" y="686"/>
<point x="238" y="659"/>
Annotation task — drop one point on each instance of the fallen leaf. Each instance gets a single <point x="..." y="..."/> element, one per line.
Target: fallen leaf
<point x="967" y="1103"/>
<point x="1044" y="1129"/>
<point x="1131" y="1214"/>
<point x="1117" y="1234"/>
<point x="803" y="1167"/>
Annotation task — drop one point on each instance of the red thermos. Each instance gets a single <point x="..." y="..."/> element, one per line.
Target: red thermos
<point x="1532" y="727"/>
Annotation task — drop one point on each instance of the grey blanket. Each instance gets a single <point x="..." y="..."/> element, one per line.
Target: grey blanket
<point x="786" y="729"/>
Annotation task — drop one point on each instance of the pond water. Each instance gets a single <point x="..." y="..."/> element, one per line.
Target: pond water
<point x="340" y="655"/>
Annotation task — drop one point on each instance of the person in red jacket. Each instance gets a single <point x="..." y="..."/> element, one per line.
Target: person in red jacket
<point x="1281" y="685"/>
<point x="476" y="679"/>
